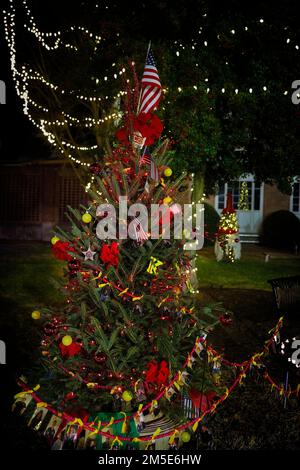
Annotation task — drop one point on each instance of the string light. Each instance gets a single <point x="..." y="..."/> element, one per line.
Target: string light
<point x="24" y="75"/>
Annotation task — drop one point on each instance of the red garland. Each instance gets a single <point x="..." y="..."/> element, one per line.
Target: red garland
<point x="110" y="254"/>
<point x="60" y="250"/>
<point x="148" y="124"/>
<point x="157" y="374"/>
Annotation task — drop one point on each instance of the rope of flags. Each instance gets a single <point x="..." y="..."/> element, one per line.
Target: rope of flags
<point x="178" y="381"/>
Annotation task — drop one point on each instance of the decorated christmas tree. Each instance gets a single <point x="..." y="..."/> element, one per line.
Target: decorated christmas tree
<point x="228" y="246"/>
<point x="128" y="338"/>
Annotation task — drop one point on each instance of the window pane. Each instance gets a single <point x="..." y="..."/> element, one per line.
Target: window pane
<point x="221" y="197"/>
<point x="296" y="197"/>
<point x="257" y="197"/>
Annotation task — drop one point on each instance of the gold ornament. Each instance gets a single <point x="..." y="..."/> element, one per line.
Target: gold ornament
<point x="67" y="340"/>
<point x="168" y="172"/>
<point x="86" y="218"/>
<point x="167" y="200"/>
<point x="36" y="315"/>
<point x="127" y="396"/>
<point x="54" y="240"/>
<point x="185" y="436"/>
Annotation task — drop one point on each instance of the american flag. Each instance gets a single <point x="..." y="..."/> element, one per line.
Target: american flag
<point x="151" y="86"/>
<point x="147" y="159"/>
<point x="140" y="234"/>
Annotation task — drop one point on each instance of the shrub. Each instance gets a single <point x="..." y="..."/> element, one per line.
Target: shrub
<point x="211" y="223"/>
<point x="281" y="229"/>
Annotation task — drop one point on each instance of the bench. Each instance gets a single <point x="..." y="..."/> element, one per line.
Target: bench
<point x="286" y="291"/>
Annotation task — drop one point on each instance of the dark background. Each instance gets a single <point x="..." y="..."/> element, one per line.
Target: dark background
<point x="148" y="19"/>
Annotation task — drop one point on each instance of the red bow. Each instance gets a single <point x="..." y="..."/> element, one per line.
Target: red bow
<point x="69" y="351"/>
<point x="157" y="373"/>
<point x="110" y="254"/>
<point x="60" y="250"/>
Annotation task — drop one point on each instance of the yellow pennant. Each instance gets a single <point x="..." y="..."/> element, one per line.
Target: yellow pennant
<point x="22" y="394"/>
<point x="112" y="419"/>
<point x="124" y="424"/>
<point x="123" y="292"/>
<point x="195" y="425"/>
<point x="156" y="433"/>
<point x="41" y="404"/>
<point x="96" y="430"/>
<point x="162" y="302"/>
<point x="116" y="440"/>
<point x="136" y="384"/>
<point x="137" y="298"/>
<point x="103" y="284"/>
<point x="97" y="277"/>
<point x="172" y="438"/>
<point x="153" y="405"/>
<point x="91" y="385"/>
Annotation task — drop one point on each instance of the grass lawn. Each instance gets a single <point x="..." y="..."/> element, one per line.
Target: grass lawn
<point x="251" y="272"/>
<point x="26" y="270"/>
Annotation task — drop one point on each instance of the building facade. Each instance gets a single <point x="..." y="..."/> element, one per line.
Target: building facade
<point x="262" y="200"/>
<point x="35" y="197"/>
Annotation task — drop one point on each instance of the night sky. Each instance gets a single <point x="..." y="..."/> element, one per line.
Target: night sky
<point x="19" y="140"/>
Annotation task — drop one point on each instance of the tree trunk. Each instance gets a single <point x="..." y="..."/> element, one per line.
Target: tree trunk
<point x="198" y="187"/>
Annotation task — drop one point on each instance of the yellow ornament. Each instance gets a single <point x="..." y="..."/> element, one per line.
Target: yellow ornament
<point x="67" y="340"/>
<point x="86" y="218"/>
<point x="185" y="436"/>
<point x="54" y="240"/>
<point x="127" y="396"/>
<point x="168" y="172"/>
<point x="167" y="200"/>
<point x="36" y="315"/>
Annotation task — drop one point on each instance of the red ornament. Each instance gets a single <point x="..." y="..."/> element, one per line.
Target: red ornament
<point x="70" y="396"/>
<point x="225" y="319"/>
<point x="110" y="254"/>
<point x="95" y="168"/>
<point x="100" y="358"/>
<point x="50" y="329"/>
<point x="61" y="249"/>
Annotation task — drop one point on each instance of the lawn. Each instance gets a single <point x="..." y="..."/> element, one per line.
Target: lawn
<point x="251" y="272"/>
<point x="26" y="273"/>
<point x="26" y="270"/>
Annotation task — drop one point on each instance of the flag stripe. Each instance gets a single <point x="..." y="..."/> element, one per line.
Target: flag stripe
<point x="151" y="91"/>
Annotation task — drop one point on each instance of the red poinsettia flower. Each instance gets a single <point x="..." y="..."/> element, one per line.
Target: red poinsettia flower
<point x="149" y="125"/>
<point x="70" y="351"/>
<point x="110" y="254"/>
<point x="61" y="249"/>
